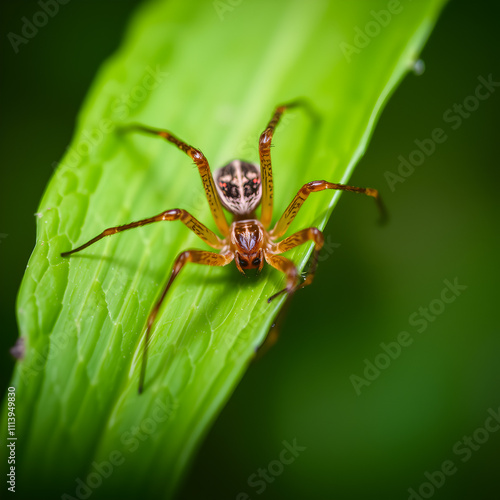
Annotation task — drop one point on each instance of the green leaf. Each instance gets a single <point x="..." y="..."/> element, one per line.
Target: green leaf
<point x="212" y="73"/>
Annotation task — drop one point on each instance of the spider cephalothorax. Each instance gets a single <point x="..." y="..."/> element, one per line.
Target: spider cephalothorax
<point x="248" y="242"/>
<point x="239" y="187"/>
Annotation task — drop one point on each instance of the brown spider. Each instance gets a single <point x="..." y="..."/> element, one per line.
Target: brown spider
<point x="239" y="187"/>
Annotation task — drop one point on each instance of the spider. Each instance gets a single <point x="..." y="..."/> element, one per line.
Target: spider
<point x="239" y="187"/>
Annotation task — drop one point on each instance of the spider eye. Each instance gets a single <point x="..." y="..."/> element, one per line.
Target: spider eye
<point x="243" y="263"/>
<point x="256" y="261"/>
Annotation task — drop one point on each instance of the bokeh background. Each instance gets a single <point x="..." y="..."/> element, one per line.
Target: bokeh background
<point x="418" y="412"/>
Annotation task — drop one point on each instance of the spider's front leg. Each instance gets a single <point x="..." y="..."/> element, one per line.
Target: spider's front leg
<point x="287" y="266"/>
<point x="197" y="257"/>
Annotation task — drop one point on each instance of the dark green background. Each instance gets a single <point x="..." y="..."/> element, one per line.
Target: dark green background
<point x="444" y="225"/>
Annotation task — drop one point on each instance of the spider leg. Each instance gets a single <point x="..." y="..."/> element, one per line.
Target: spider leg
<point x="274" y="332"/>
<point x="266" y="171"/>
<point x="285" y="265"/>
<point x="195" y="256"/>
<point x="299" y="238"/>
<point x="170" y="215"/>
<point x="312" y="187"/>
<point x="203" y="168"/>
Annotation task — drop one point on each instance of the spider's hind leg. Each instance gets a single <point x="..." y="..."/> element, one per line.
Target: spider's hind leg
<point x="195" y="256"/>
<point x="287" y="266"/>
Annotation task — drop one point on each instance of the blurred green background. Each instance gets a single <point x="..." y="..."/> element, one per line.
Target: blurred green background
<point x="416" y="414"/>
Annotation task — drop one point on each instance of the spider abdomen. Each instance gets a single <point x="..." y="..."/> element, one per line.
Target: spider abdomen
<point x="239" y="187"/>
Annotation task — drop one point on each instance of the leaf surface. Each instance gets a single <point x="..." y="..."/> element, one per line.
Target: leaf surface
<point x="211" y="73"/>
